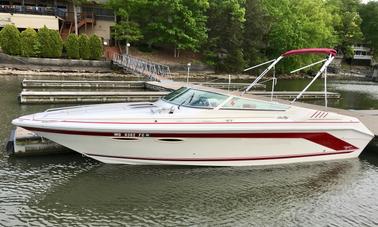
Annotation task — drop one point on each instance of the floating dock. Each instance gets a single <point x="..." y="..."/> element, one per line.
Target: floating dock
<point x="102" y="95"/>
<point x="229" y="86"/>
<point x="81" y="84"/>
<point x="55" y="97"/>
<point x="292" y="94"/>
<point x="51" y="97"/>
<point x="88" y="84"/>
<point x="25" y="143"/>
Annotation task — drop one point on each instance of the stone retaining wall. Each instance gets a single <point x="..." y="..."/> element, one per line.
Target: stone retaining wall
<point x="51" y="62"/>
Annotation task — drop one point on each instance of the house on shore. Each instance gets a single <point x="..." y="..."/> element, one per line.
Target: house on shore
<point x="362" y="55"/>
<point x="92" y="17"/>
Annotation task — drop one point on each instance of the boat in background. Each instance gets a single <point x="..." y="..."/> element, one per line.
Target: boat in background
<point x="196" y="125"/>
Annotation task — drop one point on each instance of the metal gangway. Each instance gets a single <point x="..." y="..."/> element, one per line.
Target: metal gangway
<point x="151" y="70"/>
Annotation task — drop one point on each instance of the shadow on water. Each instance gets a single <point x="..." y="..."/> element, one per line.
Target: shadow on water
<point x="145" y="195"/>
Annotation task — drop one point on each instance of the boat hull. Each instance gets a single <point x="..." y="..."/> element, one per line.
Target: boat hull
<point x="243" y="148"/>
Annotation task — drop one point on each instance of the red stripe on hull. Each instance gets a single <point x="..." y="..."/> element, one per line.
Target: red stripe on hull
<point x="321" y="138"/>
<point x="210" y="123"/>
<point x="222" y="159"/>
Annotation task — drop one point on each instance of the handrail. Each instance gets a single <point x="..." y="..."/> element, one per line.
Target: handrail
<point x="147" y="68"/>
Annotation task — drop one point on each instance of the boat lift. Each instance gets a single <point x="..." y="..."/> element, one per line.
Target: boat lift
<point x="331" y="53"/>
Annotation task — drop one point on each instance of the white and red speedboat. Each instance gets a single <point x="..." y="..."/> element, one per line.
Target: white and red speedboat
<point x="200" y="126"/>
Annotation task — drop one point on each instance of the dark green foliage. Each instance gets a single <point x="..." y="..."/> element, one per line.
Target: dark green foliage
<point x="10" y="40"/>
<point x="178" y="24"/>
<point x="29" y="43"/>
<point x="84" y="51"/>
<point x="256" y="28"/>
<point x="57" y="43"/>
<point x="346" y="23"/>
<point x="72" y="46"/>
<point x="95" y="47"/>
<point x="297" y="24"/>
<point x="225" y="23"/>
<point x="369" y="26"/>
<point x="51" y="43"/>
<point x="126" y="30"/>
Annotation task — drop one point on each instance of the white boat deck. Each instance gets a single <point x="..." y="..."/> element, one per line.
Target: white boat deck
<point x="368" y="117"/>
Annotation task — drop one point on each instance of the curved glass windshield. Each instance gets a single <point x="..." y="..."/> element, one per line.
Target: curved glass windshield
<point x="195" y="98"/>
<point x="237" y="103"/>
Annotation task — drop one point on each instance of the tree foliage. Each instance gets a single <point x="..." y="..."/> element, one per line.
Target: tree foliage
<point x="10" y="40"/>
<point x="178" y="24"/>
<point x="369" y="26"/>
<point x="346" y="22"/>
<point x="257" y="24"/>
<point x="95" y="47"/>
<point x="298" y="24"/>
<point x="72" y="46"/>
<point x="29" y="43"/>
<point x="51" y="43"/>
<point x="125" y="30"/>
<point x="84" y="51"/>
<point x="225" y="24"/>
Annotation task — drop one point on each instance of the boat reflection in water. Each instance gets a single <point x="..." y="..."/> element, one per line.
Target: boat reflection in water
<point x="212" y="196"/>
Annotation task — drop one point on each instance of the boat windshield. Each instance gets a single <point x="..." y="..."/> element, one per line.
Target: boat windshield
<point x="238" y="103"/>
<point x="189" y="97"/>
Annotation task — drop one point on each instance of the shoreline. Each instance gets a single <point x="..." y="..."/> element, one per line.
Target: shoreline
<point x="34" y="71"/>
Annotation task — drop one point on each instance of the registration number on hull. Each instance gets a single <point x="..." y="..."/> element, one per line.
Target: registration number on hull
<point x="130" y="134"/>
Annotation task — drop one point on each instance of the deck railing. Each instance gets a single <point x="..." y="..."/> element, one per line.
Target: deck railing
<point x="146" y="68"/>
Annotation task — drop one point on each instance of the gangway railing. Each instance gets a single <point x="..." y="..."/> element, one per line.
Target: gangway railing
<point x="151" y="70"/>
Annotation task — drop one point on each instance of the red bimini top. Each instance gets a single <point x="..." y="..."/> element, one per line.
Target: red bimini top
<point x="327" y="51"/>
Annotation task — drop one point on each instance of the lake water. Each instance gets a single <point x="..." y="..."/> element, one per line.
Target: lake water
<point x="71" y="190"/>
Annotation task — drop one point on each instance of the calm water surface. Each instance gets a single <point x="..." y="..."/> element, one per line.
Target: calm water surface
<point x="71" y="190"/>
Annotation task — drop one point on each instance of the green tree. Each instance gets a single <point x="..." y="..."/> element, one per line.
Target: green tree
<point x="95" y="47"/>
<point x="84" y="47"/>
<point x="257" y="24"/>
<point x="10" y="40"/>
<point x="369" y="26"/>
<point x="298" y="24"/>
<point x="125" y="30"/>
<point x="72" y="46"/>
<point x="57" y="43"/>
<point x="29" y="43"/>
<point x="225" y="24"/>
<point x="179" y="24"/>
<point x="51" y="43"/>
<point x="347" y="22"/>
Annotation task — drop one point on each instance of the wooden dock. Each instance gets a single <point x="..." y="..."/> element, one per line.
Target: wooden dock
<point x="51" y="97"/>
<point x="229" y="86"/>
<point x="26" y="143"/>
<point x="54" y="97"/>
<point x="81" y="84"/>
<point x="292" y="94"/>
